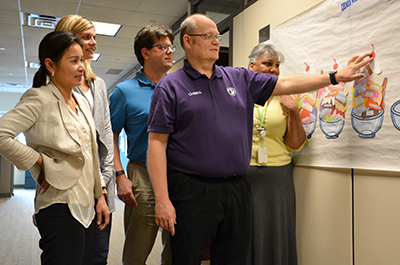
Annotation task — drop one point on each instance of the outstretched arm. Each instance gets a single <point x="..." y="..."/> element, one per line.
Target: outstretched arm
<point x="296" y="84"/>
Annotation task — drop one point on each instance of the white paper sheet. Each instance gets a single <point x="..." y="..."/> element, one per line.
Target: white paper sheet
<point x="323" y="38"/>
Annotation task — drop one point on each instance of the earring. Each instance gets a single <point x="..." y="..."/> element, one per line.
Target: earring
<point x="52" y="74"/>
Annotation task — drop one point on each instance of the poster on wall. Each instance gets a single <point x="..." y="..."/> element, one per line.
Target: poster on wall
<point x="355" y="124"/>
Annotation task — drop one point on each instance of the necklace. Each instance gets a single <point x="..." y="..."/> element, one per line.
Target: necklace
<point x="73" y="104"/>
<point x="153" y="83"/>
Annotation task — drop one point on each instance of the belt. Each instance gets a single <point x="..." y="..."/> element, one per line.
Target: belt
<point x="209" y="179"/>
<point x="137" y="163"/>
<point x="234" y="176"/>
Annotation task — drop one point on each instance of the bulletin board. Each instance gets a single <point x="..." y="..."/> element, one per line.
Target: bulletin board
<point x="357" y="124"/>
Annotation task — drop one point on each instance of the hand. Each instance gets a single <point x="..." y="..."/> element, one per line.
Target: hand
<point x="166" y="216"/>
<point x="288" y="104"/>
<point x="125" y="192"/>
<point x="44" y="185"/>
<point x="348" y="73"/>
<point x="103" y="213"/>
<point x="42" y="176"/>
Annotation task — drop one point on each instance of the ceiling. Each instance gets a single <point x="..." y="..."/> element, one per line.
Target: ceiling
<point x="21" y="42"/>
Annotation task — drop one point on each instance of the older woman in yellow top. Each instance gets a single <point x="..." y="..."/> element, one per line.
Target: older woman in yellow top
<point x="61" y="153"/>
<point x="277" y="132"/>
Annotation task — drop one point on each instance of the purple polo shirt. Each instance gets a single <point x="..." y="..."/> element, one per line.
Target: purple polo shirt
<point x="210" y="121"/>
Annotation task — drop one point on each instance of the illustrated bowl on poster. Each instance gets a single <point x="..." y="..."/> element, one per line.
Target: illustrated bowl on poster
<point x="331" y="129"/>
<point x="395" y="114"/>
<point x="308" y="119"/>
<point x="309" y="127"/>
<point x="367" y="127"/>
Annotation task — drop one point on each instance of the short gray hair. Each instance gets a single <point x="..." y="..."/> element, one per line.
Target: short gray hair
<point x="188" y="26"/>
<point x="263" y="48"/>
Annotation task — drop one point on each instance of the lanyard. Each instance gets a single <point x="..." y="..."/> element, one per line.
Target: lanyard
<point x="262" y="113"/>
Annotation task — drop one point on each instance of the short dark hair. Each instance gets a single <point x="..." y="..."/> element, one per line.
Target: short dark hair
<point x="146" y="37"/>
<point x="52" y="46"/>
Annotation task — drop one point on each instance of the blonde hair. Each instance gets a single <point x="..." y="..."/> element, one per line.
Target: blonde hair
<point x="76" y="24"/>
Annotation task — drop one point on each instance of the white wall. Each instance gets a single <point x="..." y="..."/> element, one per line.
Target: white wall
<point x="176" y="67"/>
<point x="260" y="14"/>
<point x="8" y="100"/>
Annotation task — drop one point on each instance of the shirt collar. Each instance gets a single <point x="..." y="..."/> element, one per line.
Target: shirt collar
<point x="141" y="77"/>
<point x="196" y="74"/>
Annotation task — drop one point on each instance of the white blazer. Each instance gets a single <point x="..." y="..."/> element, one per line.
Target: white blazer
<point x="43" y="116"/>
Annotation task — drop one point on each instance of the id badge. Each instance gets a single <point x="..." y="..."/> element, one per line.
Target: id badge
<point x="262" y="155"/>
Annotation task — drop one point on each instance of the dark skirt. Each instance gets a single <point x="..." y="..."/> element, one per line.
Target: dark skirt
<point x="274" y="215"/>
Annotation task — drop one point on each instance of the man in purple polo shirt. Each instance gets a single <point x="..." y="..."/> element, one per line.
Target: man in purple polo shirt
<point x="200" y="132"/>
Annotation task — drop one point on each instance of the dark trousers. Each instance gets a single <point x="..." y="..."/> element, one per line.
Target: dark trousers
<point x="211" y="213"/>
<point x="101" y="244"/>
<point x="64" y="241"/>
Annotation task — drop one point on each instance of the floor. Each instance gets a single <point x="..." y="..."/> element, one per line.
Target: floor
<point x="19" y="237"/>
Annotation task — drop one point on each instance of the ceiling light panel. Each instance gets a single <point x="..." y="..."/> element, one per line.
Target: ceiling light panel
<point x="41" y="21"/>
<point x="50" y="22"/>
<point x="107" y="29"/>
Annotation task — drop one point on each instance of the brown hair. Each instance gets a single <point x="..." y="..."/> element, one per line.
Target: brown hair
<point x="147" y="36"/>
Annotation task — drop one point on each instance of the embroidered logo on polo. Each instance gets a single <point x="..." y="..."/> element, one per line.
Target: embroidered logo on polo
<point x="231" y="91"/>
<point x="196" y="93"/>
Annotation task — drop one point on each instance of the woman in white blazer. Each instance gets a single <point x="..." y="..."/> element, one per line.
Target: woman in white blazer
<point x="94" y="90"/>
<point x="61" y="153"/>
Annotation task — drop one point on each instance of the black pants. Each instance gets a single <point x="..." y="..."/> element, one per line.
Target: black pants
<point x="63" y="239"/>
<point x="211" y="213"/>
<point x="101" y="244"/>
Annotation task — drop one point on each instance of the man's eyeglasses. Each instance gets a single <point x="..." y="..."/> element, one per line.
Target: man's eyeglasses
<point x="164" y="47"/>
<point x="208" y="36"/>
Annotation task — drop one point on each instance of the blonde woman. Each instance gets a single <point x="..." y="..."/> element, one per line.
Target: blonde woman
<point x="94" y="90"/>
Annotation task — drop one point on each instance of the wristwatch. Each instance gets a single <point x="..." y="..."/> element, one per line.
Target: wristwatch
<point x="119" y="172"/>
<point x="333" y="78"/>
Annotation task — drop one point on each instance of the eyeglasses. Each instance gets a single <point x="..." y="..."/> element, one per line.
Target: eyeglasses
<point x="165" y="47"/>
<point x="208" y="36"/>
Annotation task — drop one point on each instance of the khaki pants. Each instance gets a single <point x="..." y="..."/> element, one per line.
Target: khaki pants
<point x="140" y="226"/>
